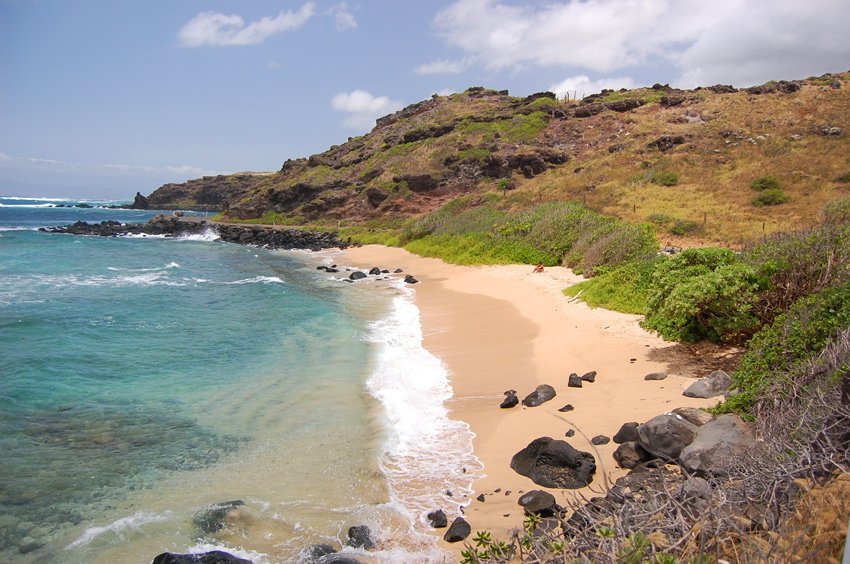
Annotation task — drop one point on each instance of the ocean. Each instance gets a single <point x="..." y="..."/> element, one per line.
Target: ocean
<point x="145" y="379"/>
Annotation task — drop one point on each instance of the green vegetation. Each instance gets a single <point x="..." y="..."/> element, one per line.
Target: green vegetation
<point x="793" y="339"/>
<point x="703" y="294"/>
<point x="474" y="154"/>
<point x="771" y="197"/>
<point x="519" y="128"/>
<point x="843" y="177"/>
<point x="763" y="183"/>
<point x="543" y="104"/>
<point x="468" y="230"/>
<point x="622" y="289"/>
<point x="664" y="178"/>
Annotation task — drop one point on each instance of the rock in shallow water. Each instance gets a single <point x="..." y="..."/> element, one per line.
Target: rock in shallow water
<point x="214" y="557"/>
<point x="438" y="519"/>
<point x="360" y="536"/>
<point x="214" y="518"/>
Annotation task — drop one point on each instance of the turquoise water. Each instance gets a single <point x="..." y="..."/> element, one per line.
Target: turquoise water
<point x="143" y="378"/>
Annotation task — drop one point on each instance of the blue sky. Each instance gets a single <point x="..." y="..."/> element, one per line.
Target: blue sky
<point x="104" y="98"/>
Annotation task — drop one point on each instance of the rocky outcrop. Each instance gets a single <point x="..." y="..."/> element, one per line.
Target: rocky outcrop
<point x="210" y="193"/>
<point x="554" y="464"/>
<point x="172" y="226"/>
<point x="140" y="202"/>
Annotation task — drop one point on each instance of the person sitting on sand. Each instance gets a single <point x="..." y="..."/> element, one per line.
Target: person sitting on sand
<point x="539" y="267"/>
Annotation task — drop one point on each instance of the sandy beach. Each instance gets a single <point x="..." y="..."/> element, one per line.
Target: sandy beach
<point x="504" y="327"/>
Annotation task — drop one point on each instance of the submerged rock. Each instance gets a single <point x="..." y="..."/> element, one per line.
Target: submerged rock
<point x="214" y="518"/>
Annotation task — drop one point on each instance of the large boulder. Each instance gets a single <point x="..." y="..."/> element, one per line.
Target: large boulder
<point x="715" y="384"/>
<point x="717" y="445"/>
<point x="541" y="395"/>
<point x="459" y="530"/>
<point x="666" y="435"/>
<point x="554" y="464"/>
<point x="214" y="557"/>
<point x="538" y="502"/>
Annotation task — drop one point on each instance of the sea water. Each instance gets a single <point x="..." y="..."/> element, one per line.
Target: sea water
<point x="145" y="379"/>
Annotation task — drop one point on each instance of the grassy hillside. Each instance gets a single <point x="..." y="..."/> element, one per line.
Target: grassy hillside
<point x="681" y="160"/>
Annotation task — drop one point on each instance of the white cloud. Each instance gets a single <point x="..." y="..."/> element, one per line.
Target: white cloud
<point x="581" y="85"/>
<point x="344" y="20"/>
<point x="441" y="67"/>
<point x="363" y="108"/>
<point x="217" y="29"/>
<point x="40" y="163"/>
<point x="718" y="41"/>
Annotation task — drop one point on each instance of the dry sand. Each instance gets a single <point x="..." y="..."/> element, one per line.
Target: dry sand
<point x="504" y="327"/>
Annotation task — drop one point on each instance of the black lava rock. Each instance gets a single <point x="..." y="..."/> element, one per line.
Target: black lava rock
<point x="459" y="530"/>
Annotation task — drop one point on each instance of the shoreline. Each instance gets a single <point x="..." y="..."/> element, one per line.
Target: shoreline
<point x="498" y="328"/>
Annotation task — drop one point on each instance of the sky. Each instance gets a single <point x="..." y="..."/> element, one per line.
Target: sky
<point x="104" y="98"/>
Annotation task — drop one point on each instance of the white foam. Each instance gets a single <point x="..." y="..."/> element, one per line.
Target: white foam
<point x="167" y="266"/>
<point x="256" y="280"/>
<point x="426" y="451"/>
<point x="208" y="235"/>
<point x="133" y="522"/>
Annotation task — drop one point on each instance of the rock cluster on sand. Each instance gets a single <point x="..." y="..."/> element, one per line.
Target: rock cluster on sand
<point x="714" y="384"/>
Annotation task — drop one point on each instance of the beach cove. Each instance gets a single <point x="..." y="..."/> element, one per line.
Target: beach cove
<point x="500" y="328"/>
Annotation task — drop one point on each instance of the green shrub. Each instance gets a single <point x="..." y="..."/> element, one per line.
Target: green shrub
<point x="799" y="264"/>
<point x="684" y="227"/>
<point x="836" y="212"/>
<point x="791" y="340"/>
<point x="664" y="178"/>
<point x="763" y="183"/>
<point x="843" y="177"/>
<point x="771" y="197"/>
<point x="660" y="219"/>
<point x="624" y="288"/>
<point x="703" y="294"/>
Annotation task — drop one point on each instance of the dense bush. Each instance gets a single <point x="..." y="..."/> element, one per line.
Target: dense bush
<point x="763" y="183"/>
<point x="801" y="263"/>
<point x="771" y="197"/>
<point x="836" y="212"/>
<point x="703" y="294"/>
<point x="624" y="288"/>
<point x="792" y="339"/>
